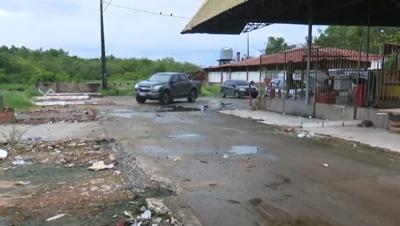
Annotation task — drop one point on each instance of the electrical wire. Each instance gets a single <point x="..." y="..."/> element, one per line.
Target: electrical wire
<point x="110" y="3"/>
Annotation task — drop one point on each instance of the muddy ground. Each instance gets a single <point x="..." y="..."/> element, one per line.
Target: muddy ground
<point x="41" y="180"/>
<point x="230" y="171"/>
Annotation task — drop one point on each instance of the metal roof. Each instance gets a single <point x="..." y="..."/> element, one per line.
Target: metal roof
<point x="231" y="16"/>
<point x="299" y="55"/>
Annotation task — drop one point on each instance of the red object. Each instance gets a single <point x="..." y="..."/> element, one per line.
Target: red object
<point x="326" y="97"/>
<point x="6" y="116"/>
<point x="359" y="95"/>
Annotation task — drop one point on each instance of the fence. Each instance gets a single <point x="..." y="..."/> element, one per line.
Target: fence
<point x="337" y="76"/>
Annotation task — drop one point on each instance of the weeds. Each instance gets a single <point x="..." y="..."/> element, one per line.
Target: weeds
<point x="14" y="136"/>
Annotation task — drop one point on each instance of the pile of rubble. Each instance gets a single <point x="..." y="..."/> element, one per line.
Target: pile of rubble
<point x="69" y="114"/>
<point x="73" y="180"/>
<point x="154" y="213"/>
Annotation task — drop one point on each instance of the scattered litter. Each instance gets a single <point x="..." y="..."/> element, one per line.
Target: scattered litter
<point x="225" y="156"/>
<point x="55" y="217"/>
<point x="301" y="135"/>
<point x="19" y="161"/>
<point x="146" y="215"/>
<point x="324" y="165"/>
<point x="3" y="154"/>
<point x="100" y="165"/>
<point x="157" y="206"/>
<point x="354" y="145"/>
<point x="128" y="214"/>
<point x="22" y="183"/>
<point x="32" y="140"/>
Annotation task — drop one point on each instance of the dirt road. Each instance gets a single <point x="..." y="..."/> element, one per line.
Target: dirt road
<point x="231" y="171"/>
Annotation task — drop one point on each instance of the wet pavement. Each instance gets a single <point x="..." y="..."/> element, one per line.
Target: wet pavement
<point x="231" y="171"/>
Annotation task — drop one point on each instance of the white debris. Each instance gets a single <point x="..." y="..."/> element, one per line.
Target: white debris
<point x="19" y="161"/>
<point x="225" y="156"/>
<point x="55" y="217"/>
<point x="324" y="165"/>
<point x="157" y="206"/>
<point x="96" y="166"/>
<point x="22" y="183"/>
<point x="128" y="214"/>
<point x="3" y="154"/>
<point x="146" y="215"/>
<point x="301" y="135"/>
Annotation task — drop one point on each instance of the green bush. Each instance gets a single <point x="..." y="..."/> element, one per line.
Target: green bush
<point x="210" y="90"/>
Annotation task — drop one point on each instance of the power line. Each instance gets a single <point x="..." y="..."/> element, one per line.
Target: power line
<point x="108" y="5"/>
<point x="145" y="11"/>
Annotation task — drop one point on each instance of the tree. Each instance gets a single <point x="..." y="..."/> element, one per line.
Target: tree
<point x="276" y="45"/>
<point x="355" y="38"/>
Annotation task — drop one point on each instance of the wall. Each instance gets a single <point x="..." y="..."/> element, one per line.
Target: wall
<point x="323" y="111"/>
<point x="70" y="87"/>
<point x="215" y="76"/>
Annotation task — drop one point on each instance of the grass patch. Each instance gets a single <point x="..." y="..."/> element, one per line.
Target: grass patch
<point x="210" y="90"/>
<point x="18" y="96"/>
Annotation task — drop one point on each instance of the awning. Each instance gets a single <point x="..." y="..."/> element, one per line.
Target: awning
<point x="231" y="16"/>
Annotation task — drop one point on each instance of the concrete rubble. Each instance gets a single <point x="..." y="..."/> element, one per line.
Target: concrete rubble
<point x="3" y="154"/>
<point x="56" y="177"/>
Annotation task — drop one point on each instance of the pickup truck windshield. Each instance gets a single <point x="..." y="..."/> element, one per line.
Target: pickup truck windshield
<point x="160" y="77"/>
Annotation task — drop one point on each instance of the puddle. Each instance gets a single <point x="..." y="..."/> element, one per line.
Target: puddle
<point x="246" y="150"/>
<point x="250" y="150"/>
<point x="184" y="136"/>
<point x="174" y="108"/>
<point x="123" y="113"/>
<point x="38" y="173"/>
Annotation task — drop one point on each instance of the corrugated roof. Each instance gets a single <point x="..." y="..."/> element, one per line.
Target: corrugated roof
<point x="299" y="55"/>
<point x="211" y="9"/>
<point x="231" y="16"/>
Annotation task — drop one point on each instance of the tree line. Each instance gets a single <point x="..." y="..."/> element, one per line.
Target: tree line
<point x="23" y="65"/>
<point x="345" y="37"/>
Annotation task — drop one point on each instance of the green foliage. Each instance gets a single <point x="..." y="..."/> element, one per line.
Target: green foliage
<point x="355" y="38"/>
<point x="210" y="90"/>
<point x="22" y="65"/>
<point x="276" y="45"/>
<point x="18" y="96"/>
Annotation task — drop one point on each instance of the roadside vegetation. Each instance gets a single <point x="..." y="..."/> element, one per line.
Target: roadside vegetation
<point x="18" y="96"/>
<point x="22" y="65"/>
<point x="210" y="90"/>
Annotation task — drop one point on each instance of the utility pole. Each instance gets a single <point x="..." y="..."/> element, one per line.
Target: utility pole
<point x="248" y="45"/>
<point x="103" y="49"/>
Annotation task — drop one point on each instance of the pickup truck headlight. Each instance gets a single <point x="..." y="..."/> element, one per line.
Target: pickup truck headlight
<point x="156" y="88"/>
<point x="136" y="86"/>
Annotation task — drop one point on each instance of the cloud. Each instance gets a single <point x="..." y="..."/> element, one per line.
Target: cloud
<point x="74" y="26"/>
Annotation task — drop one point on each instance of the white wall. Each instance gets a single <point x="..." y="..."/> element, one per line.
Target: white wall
<point x="215" y="76"/>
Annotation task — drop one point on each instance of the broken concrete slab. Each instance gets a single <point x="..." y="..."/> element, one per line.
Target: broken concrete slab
<point x="3" y="154"/>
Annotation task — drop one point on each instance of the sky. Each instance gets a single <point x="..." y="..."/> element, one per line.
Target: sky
<point x="73" y="25"/>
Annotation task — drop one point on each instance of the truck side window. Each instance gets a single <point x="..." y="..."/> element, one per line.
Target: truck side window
<point x="175" y="78"/>
<point x="183" y="77"/>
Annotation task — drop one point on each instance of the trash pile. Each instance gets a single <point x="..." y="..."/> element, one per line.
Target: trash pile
<point x="75" y="182"/>
<point x="154" y="213"/>
<point x="69" y="114"/>
<point x="67" y="99"/>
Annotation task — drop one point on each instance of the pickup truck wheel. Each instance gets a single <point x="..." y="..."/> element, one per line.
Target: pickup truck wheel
<point x="165" y="98"/>
<point x="140" y="100"/>
<point x="192" y="96"/>
<point x="254" y="96"/>
<point x="237" y="95"/>
<point x="223" y="95"/>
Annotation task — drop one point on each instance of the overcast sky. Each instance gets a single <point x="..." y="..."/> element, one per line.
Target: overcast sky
<point x="74" y="26"/>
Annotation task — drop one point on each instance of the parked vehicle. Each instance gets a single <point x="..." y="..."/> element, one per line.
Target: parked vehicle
<point x="167" y="86"/>
<point x="238" y="89"/>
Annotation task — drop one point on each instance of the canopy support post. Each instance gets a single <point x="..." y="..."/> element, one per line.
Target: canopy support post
<point x="309" y="49"/>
